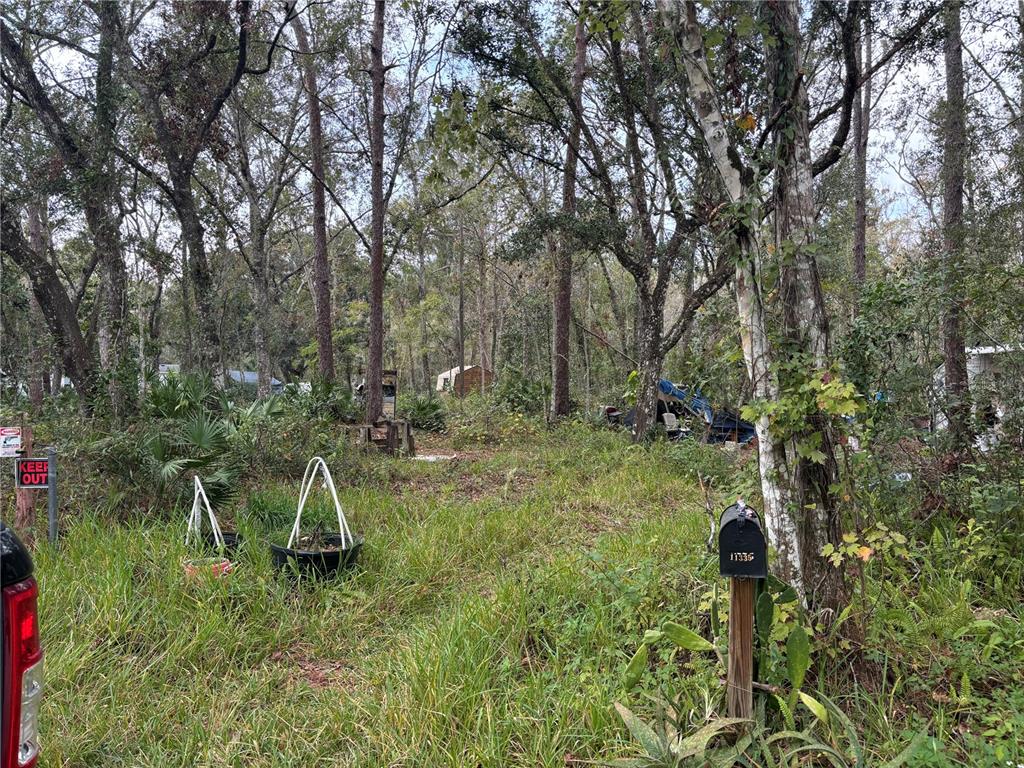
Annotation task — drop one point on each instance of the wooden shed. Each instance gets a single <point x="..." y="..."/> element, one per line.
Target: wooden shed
<point x="465" y="379"/>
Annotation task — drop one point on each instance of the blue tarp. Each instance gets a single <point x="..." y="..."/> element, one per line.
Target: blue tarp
<point x="722" y="426"/>
<point x="694" y="404"/>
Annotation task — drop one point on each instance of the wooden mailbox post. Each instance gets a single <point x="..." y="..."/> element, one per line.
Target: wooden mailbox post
<point x="743" y="557"/>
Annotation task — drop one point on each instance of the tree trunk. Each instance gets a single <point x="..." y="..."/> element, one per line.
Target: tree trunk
<point x="153" y="325"/>
<point x="803" y="304"/>
<point x="754" y="336"/>
<point x="105" y="225"/>
<point x="375" y="357"/>
<point x="649" y="363"/>
<point x="200" y="276"/>
<point x="188" y="351"/>
<point x="421" y="295"/>
<point x="321" y="265"/>
<point x="496" y="316"/>
<point x="36" y="360"/>
<point x="261" y="328"/>
<point x="58" y="311"/>
<point x="563" y="253"/>
<point x="1020" y="125"/>
<point x="954" y="150"/>
<point x="481" y="316"/>
<point x="861" y="125"/>
<point x="804" y="315"/>
<point x="461" y="320"/>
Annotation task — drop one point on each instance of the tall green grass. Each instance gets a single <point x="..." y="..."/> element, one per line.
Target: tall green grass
<point x="477" y="630"/>
<point x="495" y="606"/>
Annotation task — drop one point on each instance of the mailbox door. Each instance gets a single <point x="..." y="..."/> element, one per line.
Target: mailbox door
<point x="742" y="550"/>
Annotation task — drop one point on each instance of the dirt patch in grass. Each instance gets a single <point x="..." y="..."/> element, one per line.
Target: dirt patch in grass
<point x="458" y="482"/>
<point x="597" y="517"/>
<point x="319" y="673"/>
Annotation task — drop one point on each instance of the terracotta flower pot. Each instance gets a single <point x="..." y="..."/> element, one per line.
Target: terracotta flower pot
<point x="218" y="567"/>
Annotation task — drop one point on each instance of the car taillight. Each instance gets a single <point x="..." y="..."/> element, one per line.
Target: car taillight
<point x="23" y="686"/>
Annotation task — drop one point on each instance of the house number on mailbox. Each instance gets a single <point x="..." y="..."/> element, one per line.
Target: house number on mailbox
<point x="743" y="551"/>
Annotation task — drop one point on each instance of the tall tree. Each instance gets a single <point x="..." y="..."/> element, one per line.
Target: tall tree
<point x="375" y="354"/>
<point x="755" y="338"/>
<point x="321" y="265"/>
<point x="263" y="171"/>
<point x="56" y="306"/>
<point x="796" y="481"/>
<point x="89" y="162"/>
<point x="36" y="348"/>
<point x="638" y="191"/>
<point x="954" y="151"/>
<point x="563" y="254"/>
<point x="861" y="133"/>
<point x="810" y="449"/>
<point x="183" y="120"/>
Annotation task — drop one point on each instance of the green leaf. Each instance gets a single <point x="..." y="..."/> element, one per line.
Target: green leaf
<point x="716" y="624"/>
<point x="651" y="636"/>
<point x="816" y="707"/>
<point x="685" y="638"/>
<point x="787" y="714"/>
<point x="641" y="731"/>
<point x="635" y="668"/>
<point x="786" y="593"/>
<point x="798" y="656"/>
<point x="696" y="744"/>
<point x="908" y="752"/>
<point x="727" y="757"/>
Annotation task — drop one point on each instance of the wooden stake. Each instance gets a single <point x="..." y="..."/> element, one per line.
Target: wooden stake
<point x="740" y="694"/>
<point x="24" y="498"/>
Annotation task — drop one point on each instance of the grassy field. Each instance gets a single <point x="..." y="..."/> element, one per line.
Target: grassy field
<point x="498" y="601"/>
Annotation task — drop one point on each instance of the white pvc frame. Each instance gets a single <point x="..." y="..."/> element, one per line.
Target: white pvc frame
<point x="195" y="519"/>
<point x="307" y="485"/>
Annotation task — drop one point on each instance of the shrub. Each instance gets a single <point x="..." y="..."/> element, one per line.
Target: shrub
<point x="180" y="396"/>
<point x="515" y="392"/>
<point x="425" y="413"/>
<point x="324" y="399"/>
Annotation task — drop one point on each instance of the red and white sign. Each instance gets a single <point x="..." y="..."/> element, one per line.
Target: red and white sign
<point x="10" y="442"/>
<point x="32" y="473"/>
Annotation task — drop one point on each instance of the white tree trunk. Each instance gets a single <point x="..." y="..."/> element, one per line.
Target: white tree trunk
<point x="757" y="351"/>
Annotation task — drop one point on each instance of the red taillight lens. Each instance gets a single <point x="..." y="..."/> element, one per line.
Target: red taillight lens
<point x="22" y="675"/>
<point x="26" y="624"/>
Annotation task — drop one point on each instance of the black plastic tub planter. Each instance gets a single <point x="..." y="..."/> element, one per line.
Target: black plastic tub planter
<point x="230" y="541"/>
<point x="323" y="556"/>
<point x="220" y="565"/>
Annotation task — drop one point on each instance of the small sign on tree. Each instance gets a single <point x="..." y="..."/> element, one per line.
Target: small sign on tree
<point x="10" y="442"/>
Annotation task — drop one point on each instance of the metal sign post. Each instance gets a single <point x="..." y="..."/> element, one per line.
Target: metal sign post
<point x="51" y="494"/>
<point x="32" y="474"/>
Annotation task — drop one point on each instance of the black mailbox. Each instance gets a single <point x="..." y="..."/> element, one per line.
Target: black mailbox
<point x="742" y="550"/>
